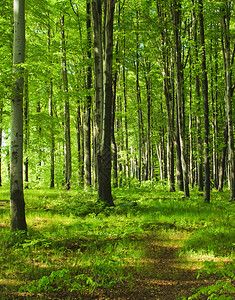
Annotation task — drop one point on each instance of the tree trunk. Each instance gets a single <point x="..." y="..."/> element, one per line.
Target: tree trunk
<point x="50" y="106"/>
<point x="26" y="130"/>
<point x="138" y="95"/>
<point x="205" y="104"/>
<point x="198" y="118"/>
<point x="87" y="114"/>
<point x="191" y="156"/>
<point x="17" y="208"/>
<point x="39" y="147"/>
<point x="223" y="159"/>
<point x="228" y="95"/>
<point x="103" y="94"/>
<point x="179" y="93"/>
<point x="52" y="150"/>
<point x="98" y="85"/>
<point x="170" y="137"/>
<point x="149" y="112"/>
<point x="68" y="164"/>
<point x="215" y="125"/>
<point x="128" y="169"/>
<point x="114" y="145"/>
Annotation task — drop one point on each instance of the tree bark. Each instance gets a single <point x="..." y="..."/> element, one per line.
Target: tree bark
<point x="26" y="130"/>
<point x="51" y="115"/>
<point x="138" y="95"/>
<point x="128" y="168"/>
<point x="199" y="162"/>
<point x="179" y="93"/>
<point x="228" y="94"/>
<point x="205" y="104"/>
<point x="68" y="163"/>
<point x="87" y="115"/>
<point x="223" y="159"/>
<point x="103" y="94"/>
<point x="17" y="208"/>
<point x="114" y="145"/>
<point x="98" y="85"/>
<point x="149" y="114"/>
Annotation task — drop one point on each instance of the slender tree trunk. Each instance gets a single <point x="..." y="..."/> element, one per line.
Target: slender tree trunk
<point x="26" y="130"/>
<point x="223" y="159"/>
<point x="87" y="115"/>
<point x="68" y="163"/>
<point x="191" y="156"/>
<point x="199" y="162"/>
<point x="228" y="95"/>
<point x="114" y="145"/>
<point x="98" y="84"/>
<point x="206" y="105"/>
<point x="149" y="112"/>
<point x="140" y="118"/>
<point x="39" y="147"/>
<point x="179" y="94"/>
<point x="125" y="112"/>
<point x="51" y="115"/>
<point x="170" y="137"/>
<point x="215" y="126"/>
<point x="17" y="208"/>
<point x="52" y="150"/>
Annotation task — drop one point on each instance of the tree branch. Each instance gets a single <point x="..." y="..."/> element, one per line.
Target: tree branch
<point x="76" y="12"/>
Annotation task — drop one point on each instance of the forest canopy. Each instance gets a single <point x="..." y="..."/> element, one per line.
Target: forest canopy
<point x="151" y="80"/>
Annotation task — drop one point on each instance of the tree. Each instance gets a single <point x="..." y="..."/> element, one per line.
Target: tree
<point x="18" y="221"/>
<point x="205" y="104"/>
<point x="68" y="165"/>
<point x="87" y="123"/>
<point x="228" y="61"/>
<point x="103" y="55"/>
<point x="179" y="91"/>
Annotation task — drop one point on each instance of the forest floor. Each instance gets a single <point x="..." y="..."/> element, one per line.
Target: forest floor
<point x="161" y="274"/>
<point x="154" y="250"/>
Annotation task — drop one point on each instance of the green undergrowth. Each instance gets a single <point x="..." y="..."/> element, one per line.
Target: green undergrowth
<point x="75" y="245"/>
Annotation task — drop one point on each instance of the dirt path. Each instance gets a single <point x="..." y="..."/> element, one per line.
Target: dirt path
<point x="162" y="275"/>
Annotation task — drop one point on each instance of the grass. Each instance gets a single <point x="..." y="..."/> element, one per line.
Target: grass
<point x="75" y="245"/>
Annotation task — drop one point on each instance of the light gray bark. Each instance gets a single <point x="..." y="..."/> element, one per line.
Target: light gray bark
<point x="228" y="95"/>
<point x="87" y="113"/>
<point x="17" y="208"/>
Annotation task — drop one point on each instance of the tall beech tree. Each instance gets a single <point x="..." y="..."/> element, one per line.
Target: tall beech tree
<point x="179" y="91"/>
<point x="87" y="113"/>
<point x="205" y="103"/>
<point x="228" y="62"/>
<point x="68" y="164"/>
<point x="103" y="56"/>
<point x="18" y="221"/>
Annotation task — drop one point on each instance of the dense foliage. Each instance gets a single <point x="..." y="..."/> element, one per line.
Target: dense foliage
<point x="146" y="106"/>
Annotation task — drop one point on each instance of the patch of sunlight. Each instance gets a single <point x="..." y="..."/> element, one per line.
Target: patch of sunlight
<point x="10" y="282"/>
<point x="202" y="257"/>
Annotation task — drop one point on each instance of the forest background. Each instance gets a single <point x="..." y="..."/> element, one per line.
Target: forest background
<point x="172" y="85"/>
<point x="133" y="99"/>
